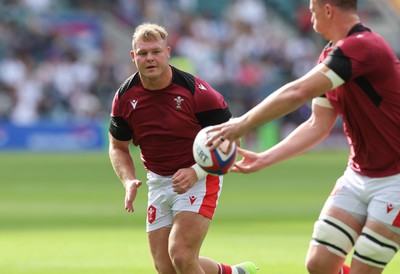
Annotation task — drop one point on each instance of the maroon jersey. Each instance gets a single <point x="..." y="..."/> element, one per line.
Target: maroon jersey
<point x="368" y="101"/>
<point x="164" y="123"/>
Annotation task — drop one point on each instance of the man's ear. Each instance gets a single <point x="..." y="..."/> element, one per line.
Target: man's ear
<point x="132" y="55"/>
<point x="328" y="10"/>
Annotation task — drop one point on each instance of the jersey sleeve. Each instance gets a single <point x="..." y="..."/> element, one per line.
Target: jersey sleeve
<point x="211" y="108"/>
<point x="119" y="127"/>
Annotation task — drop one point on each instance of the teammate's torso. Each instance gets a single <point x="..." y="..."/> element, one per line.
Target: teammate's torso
<point x="369" y="101"/>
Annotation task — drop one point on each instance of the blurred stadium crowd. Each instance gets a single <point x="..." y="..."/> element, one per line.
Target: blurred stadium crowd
<point x="57" y="63"/>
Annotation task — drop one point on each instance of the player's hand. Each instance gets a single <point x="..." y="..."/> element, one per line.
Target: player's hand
<point x="130" y="194"/>
<point x="183" y="180"/>
<point x="250" y="162"/>
<point x="230" y="131"/>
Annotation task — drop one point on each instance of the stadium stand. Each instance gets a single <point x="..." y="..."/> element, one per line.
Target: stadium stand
<point x="54" y="52"/>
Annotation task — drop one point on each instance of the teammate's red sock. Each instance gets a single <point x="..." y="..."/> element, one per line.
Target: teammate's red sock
<point x="224" y="269"/>
<point x="345" y="269"/>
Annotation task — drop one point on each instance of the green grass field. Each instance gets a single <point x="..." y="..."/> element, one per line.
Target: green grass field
<point x="63" y="213"/>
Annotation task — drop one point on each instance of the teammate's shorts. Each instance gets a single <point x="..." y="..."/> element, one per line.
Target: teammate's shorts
<point x="375" y="198"/>
<point x="163" y="203"/>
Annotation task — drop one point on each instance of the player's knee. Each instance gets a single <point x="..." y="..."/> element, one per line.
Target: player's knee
<point x="315" y="266"/>
<point x="320" y="261"/>
<point x="335" y="235"/>
<point x="181" y="259"/>
<point x="374" y="249"/>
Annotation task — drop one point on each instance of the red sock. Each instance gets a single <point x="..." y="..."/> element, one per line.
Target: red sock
<point x="224" y="269"/>
<point x="345" y="269"/>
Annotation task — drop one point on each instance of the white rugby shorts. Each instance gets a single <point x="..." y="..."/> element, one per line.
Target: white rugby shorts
<point x="376" y="198"/>
<point x="163" y="203"/>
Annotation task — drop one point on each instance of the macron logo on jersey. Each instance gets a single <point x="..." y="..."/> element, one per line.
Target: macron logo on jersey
<point x="200" y="86"/>
<point x="134" y="103"/>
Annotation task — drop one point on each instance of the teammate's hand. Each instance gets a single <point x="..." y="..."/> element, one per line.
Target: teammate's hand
<point x="183" y="180"/>
<point x="130" y="194"/>
<point x="251" y="162"/>
<point x="230" y="131"/>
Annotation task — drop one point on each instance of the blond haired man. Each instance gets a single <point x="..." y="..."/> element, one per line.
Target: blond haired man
<point x="160" y="109"/>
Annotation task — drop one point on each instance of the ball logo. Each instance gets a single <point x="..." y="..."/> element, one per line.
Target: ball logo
<point x="201" y="154"/>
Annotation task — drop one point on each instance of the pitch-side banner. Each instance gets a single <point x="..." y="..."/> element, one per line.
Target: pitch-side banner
<point x="49" y="136"/>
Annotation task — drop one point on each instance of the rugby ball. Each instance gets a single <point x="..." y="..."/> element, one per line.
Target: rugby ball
<point x="216" y="162"/>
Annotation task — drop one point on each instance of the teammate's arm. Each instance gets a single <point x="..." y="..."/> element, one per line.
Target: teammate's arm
<point x="283" y="101"/>
<point x="124" y="167"/>
<point x="303" y="138"/>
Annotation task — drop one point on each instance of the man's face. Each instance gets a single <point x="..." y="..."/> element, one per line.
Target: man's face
<point x="151" y="57"/>
<point x="318" y="17"/>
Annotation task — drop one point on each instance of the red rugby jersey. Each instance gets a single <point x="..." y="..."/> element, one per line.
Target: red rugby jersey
<point x="368" y="101"/>
<point x="164" y="123"/>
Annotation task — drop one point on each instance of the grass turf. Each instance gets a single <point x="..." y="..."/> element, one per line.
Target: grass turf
<point x="63" y="213"/>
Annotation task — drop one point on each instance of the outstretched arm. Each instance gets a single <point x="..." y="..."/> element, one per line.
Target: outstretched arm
<point x="303" y="138"/>
<point x="124" y="167"/>
<point x="283" y="101"/>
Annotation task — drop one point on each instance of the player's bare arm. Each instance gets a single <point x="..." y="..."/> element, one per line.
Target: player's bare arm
<point x="303" y="138"/>
<point x="283" y="101"/>
<point x="123" y="165"/>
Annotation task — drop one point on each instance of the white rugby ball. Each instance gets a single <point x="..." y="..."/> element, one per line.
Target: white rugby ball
<point x="216" y="162"/>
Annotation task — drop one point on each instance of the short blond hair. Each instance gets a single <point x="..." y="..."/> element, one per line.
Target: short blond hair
<point x="149" y="32"/>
